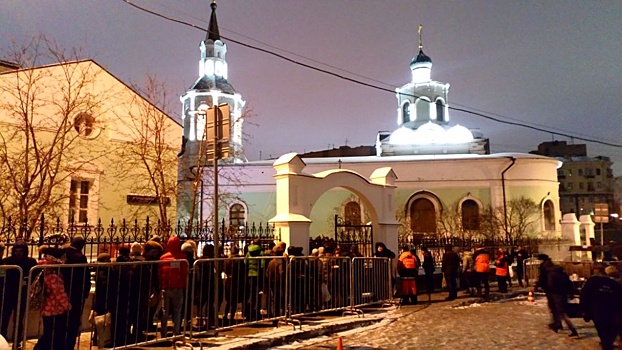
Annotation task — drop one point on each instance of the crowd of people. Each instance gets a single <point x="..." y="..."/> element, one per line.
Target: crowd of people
<point x="143" y="285"/>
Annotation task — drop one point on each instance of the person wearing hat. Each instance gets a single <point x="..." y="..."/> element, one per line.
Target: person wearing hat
<point x="19" y="257"/>
<point x="78" y="286"/>
<point x="56" y="304"/>
<point x="601" y="302"/>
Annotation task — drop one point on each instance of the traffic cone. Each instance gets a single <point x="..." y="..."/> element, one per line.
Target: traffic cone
<point x="339" y="344"/>
<point x="530" y="297"/>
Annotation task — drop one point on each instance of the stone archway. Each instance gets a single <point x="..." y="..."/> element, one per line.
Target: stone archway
<point x="296" y="192"/>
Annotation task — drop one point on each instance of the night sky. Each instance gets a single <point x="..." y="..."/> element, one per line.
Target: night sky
<point x="554" y="64"/>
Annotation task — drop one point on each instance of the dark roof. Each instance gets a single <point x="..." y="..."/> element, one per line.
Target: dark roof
<point x="221" y="84"/>
<point x="212" y="29"/>
<point x="421" y="58"/>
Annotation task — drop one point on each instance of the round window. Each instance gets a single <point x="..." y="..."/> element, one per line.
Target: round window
<point x="84" y="123"/>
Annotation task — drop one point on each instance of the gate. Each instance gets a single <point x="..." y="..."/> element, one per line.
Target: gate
<point x="348" y="235"/>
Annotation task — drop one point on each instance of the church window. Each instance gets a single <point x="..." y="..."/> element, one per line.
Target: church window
<point x="549" y="216"/>
<point x="423" y="216"/>
<point x="470" y="215"/>
<point x="353" y="213"/>
<point x="440" y="110"/>
<point x="422" y="109"/>
<point x="237" y="215"/>
<point x="79" y="201"/>
<point x="406" y="112"/>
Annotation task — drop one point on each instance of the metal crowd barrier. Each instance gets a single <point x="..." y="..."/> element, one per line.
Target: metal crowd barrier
<point x="318" y="284"/>
<point x="250" y="290"/>
<point x="12" y="303"/>
<point x="371" y="281"/>
<point x="531" y="269"/>
<point x="129" y="305"/>
<point x="121" y="313"/>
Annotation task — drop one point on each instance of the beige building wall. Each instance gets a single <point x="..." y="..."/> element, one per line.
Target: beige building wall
<point x="107" y="146"/>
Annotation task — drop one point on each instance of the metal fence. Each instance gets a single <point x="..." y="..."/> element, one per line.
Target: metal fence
<point x="11" y="294"/>
<point x="106" y="238"/>
<point x="138" y="303"/>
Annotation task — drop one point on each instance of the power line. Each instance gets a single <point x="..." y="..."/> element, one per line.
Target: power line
<point x="358" y="82"/>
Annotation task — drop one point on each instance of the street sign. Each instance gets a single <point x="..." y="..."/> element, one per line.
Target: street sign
<point x="601" y="213"/>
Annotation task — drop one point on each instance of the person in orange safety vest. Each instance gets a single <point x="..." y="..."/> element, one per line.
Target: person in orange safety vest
<point x="502" y="270"/>
<point x="408" y="268"/>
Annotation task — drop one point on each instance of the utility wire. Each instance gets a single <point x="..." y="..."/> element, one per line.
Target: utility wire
<point x="352" y="80"/>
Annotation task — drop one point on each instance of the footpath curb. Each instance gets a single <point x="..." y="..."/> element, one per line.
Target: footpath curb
<point x="264" y="341"/>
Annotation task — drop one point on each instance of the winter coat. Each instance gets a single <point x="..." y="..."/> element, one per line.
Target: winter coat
<point x="543" y="279"/>
<point x="12" y="281"/>
<point x="601" y="299"/>
<point x="407" y="265"/>
<point x="78" y="279"/>
<point x="558" y="281"/>
<point x="56" y="301"/>
<point x="481" y="260"/>
<point x="254" y="266"/>
<point x="451" y="262"/>
<point x="468" y="264"/>
<point x="428" y="263"/>
<point x="173" y="275"/>
<point x="385" y="253"/>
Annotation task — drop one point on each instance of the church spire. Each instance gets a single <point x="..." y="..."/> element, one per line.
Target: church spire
<point x="420" y="40"/>
<point x="212" y="29"/>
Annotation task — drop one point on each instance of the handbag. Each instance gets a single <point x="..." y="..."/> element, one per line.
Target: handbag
<point x="103" y="325"/>
<point x="36" y="293"/>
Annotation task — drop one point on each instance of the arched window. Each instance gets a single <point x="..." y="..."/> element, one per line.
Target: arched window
<point x="353" y="213"/>
<point x="406" y="112"/>
<point x="423" y="110"/>
<point x="440" y="110"/>
<point x="470" y="215"/>
<point x="422" y="216"/>
<point x="549" y="216"/>
<point x="237" y="215"/>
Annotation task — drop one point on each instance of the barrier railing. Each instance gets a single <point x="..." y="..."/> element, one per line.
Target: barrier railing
<point x="127" y="297"/>
<point x="138" y="303"/>
<point x="250" y="290"/>
<point x="371" y="278"/>
<point x="12" y="303"/>
<point x="531" y="269"/>
<point x="318" y="284"/>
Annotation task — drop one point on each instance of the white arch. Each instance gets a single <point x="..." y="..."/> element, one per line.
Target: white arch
<point x="296" y="193"/>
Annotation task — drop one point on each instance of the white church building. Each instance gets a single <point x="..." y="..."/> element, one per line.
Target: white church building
<point x="421" y="172"/>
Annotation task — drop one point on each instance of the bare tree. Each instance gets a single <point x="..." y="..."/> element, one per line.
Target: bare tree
<point x="149" y="154"/>
<point x="522" y="215"/>
<point x="44" y="111"/>
<point x="515" y="222"/>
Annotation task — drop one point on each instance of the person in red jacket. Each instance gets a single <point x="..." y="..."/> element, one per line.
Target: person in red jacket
<point x="173" y="279"/>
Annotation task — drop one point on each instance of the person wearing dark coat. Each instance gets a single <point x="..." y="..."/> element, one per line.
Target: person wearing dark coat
<point x="520" y="255"/>
<point x="560" y="287"/>
<point x="152" y="253"/>
<point x="449" y="267"/>
<point x="543" y="283"/>
<point x="429" y="267"/>
<point x="78" y="286"/>
<point x="383" y="252"/>
<point x="601" y="302"/>
<point x="234" y="285"/>
<point x="276" y="274"/>
<point x="8" y="304"/>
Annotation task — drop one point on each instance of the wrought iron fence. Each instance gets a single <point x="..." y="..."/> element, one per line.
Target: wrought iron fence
<point x="106" y="238"/>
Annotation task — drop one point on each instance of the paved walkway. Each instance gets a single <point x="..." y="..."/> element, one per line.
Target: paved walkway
<point x="510" y="324"/>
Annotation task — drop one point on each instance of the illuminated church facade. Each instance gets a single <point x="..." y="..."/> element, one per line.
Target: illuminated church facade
<point x="425" y="170"/>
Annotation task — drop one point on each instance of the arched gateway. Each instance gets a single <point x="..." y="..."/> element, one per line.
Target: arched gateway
<point x="296" y="193"/>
